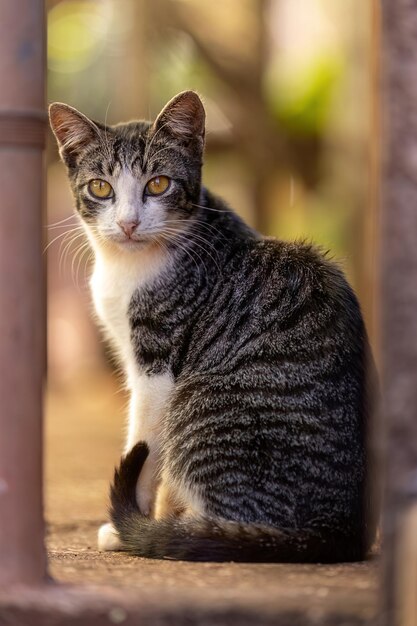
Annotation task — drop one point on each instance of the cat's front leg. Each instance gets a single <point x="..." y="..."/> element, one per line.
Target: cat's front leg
<point x="149" y="400"/>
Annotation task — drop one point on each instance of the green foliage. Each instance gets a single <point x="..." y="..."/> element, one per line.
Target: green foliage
<point x="77" y="32"/>
<point x="301" y="101"/>
<point x="175" y="67"/>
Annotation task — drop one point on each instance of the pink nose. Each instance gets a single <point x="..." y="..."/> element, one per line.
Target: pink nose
<point x="128" y="227"/>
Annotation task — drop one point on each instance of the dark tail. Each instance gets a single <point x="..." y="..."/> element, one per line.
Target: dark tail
<point x="211" y="539"/>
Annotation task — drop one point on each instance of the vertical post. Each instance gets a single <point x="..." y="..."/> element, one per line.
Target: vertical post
<point x="399" y="309"/>
<point x="370" y="247"/>
<point x="22" y="555"/>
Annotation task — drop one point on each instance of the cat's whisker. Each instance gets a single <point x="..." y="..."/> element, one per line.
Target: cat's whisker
<point x="62" y="221"/>
<point x="66" y="243"/>
<point x="190" y="251"/>
<point x="193" y="221"/>
<point x="85" y="250"/>
<point x="192" y="254"/>
<point x="63" y="243"/>
<point x="170" y="225"/>
<point x="185" y="236"/>
<point x="69" y="238"/>
<point x="159" y="243"/>
<point x="169" y="237"/>
<point x="201" y="206"/>
<point x="211" y="227"/>
<point x="190" y="234"/>
<point x="61" y="228"/>
<point x="201" y="247"/>
<point x="77" y="255"/>
<point x="89" y="260"/>
<point x="50" y="243"/>
<point x="158" y="152"/>
<point x="64" y="255"/>
<point x="190" y="231"/>
<point x="83" y="246"/>
<point x="193" y="236"/>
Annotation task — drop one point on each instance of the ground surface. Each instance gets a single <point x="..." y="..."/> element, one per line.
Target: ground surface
<point x="84" y="434"/>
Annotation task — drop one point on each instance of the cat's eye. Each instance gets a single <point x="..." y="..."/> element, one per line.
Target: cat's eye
<point x="157" y="185"/>
<point x="100" y="188"/>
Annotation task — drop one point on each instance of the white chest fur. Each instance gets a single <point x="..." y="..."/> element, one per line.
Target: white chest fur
<point x="115" y="278"/>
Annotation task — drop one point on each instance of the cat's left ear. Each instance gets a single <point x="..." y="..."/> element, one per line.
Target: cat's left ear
<point x="183" y="116"/>
<point x="73" y="130"/>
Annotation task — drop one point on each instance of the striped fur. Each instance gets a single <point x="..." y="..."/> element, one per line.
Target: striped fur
<point x="264" y="341"/>
<point x="217" y="539"/>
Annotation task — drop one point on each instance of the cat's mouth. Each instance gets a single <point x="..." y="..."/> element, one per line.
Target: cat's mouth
<point x="142" y="239"/>
<point x="132" y="242"/>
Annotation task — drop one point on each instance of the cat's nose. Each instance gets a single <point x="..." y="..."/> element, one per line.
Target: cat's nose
<point x="128" y="227"/>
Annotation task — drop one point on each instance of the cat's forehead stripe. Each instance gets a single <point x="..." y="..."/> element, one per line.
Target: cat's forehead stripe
<point x="129" y="148"/>
<point x="139" y="153"/>
<point x="137" y="162"/>
<point x="97" y="165"/>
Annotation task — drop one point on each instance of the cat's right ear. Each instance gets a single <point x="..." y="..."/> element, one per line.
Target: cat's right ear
<point x="73" y="130"/>
<point x="183" y="116"/>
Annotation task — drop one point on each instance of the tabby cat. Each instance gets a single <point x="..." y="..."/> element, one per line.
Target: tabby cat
<point x="245" y="358"/>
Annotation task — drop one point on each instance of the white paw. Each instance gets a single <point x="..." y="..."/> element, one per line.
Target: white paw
<point x="108" y="539"/>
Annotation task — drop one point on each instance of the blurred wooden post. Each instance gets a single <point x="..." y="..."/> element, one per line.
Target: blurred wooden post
<point x="399" y="311"/>
<point x="22" y="123"/>
<point x="370" y="243"/>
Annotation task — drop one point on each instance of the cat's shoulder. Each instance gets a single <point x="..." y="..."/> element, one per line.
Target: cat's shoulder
<point x="301" y="266"/>
<point x="293" y="256"/>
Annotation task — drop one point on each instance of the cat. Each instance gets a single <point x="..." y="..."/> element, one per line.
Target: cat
<point x="246" y="358"/>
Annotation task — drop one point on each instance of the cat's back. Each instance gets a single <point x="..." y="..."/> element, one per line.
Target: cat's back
<point x="307" y="294"/>
<point x="281" y="299"/>
<point x="300" y="269"/>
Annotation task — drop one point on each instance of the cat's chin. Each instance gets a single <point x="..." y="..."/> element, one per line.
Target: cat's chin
<point x="130" y="245"/>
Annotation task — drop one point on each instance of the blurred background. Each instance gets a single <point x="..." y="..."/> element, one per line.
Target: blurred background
<point x="292" y="134"/>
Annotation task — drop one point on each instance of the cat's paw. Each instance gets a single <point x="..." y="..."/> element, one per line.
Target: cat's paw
<point x="108" y="539"/>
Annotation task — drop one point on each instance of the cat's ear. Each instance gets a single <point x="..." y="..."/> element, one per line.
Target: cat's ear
<point x="73" y="130"/>
<point x="183" y="116"/>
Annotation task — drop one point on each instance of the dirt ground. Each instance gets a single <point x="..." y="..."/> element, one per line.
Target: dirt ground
<point x="84" y="438"/>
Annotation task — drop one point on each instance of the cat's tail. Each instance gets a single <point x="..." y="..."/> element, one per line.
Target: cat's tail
<point x="214" y="539"/>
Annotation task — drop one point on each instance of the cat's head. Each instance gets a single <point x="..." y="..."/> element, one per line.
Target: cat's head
<point x="134" y="183"/>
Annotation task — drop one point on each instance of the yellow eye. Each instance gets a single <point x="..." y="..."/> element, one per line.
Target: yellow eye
<point x="100" y="188"/>
<point x="157" y="185"/>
